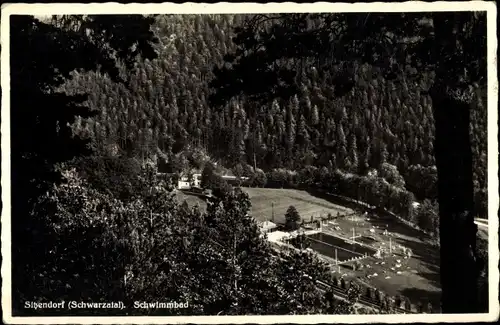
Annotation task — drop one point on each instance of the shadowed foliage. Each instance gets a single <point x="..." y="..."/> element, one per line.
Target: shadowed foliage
<point x="45" y="52"/>
<point x="448" y="47"/>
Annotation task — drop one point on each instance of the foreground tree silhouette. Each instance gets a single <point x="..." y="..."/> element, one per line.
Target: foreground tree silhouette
<point x="448" y="48"/>
<point x="44" y="53"/>
<point x="152" y="248"/>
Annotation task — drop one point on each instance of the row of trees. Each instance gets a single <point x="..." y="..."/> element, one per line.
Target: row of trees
<point x="386" y="303"/>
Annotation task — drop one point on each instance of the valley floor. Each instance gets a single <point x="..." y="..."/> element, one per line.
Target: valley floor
<point x="416" y="278"/>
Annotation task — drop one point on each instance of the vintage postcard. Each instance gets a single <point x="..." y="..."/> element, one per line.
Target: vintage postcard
<point x="249" y="163"/>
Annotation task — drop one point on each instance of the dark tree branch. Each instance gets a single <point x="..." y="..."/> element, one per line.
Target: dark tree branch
<point x="451" y="45"/>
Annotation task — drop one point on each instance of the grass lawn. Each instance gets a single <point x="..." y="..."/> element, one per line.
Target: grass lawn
<point x="262" y="199"/>
<point x="306" y="204"/>
<point x="416" y="280"/>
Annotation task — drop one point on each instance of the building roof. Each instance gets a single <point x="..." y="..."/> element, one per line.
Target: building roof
<point x="232" y="177"/>
<point x="267" y="225"/>
<point x="277" y="236"/>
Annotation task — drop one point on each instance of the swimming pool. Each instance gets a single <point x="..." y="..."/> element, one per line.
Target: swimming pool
<point x="327" y="245"/>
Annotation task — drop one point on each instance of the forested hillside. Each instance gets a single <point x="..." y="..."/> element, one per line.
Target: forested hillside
<point x="165" y="112"/>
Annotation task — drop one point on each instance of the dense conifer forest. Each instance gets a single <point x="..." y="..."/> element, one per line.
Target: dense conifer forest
<point x="165" y="112"/>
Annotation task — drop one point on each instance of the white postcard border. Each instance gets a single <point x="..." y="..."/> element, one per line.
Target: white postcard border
<point x="234" y="8"/>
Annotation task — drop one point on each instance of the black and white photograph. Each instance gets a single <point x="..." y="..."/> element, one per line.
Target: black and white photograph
<point x="249" y="163"/>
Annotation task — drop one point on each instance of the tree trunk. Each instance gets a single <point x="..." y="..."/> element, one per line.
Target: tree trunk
<point x="459" y="272"/>
<point x="459" y="265"/>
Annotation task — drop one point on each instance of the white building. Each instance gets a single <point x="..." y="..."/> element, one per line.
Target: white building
<point x="231" y="179"/>
<point x="267" y="226"/>
<point x="185" y="182"/>
<point x="196" y="180"/>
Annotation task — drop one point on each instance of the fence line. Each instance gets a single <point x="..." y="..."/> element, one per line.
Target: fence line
<point x="344" y="249"/>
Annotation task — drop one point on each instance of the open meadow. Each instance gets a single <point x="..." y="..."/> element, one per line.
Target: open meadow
<point x="265" y="200"/>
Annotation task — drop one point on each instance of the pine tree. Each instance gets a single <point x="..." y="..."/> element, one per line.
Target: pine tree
<point x="315" y="116"/>
<point x="354" y="154"/>
<point x="291" y="128"/>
